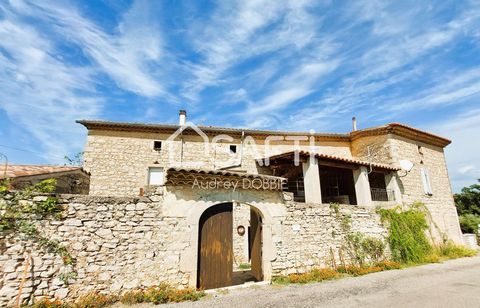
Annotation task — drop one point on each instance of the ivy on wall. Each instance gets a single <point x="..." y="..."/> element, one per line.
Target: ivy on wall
<point x="18" y="215"/>
<point x="359" y="247"/>
<point x="407" y="233"/>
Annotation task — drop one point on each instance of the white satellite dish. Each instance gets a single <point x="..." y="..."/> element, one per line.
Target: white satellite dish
<point x="406" y="165"/>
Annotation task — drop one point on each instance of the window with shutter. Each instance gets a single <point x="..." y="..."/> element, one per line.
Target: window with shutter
<point x="427" y="187"/>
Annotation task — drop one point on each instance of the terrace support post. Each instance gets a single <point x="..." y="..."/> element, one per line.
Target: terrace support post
<point x="392" y="184"/>
<point x="311" y="178"/>
<point x="362" y="186"/>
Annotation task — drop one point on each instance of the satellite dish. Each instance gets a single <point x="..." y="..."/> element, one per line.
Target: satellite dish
<point x="406" y="165"/>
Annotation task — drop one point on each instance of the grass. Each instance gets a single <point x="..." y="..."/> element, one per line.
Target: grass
<point x="244" y="266"/>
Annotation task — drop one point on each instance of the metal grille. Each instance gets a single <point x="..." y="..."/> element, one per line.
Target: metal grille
<point x="297" y="187"/>
<point x="380" y="194"/>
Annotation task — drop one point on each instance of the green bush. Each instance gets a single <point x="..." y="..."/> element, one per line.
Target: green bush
<point x="48" y="303"/>
<point x="389" y="265"/>
<point x="451" y="251"/>
<point x="374" y="248"/>
<point x="407" y="238"/>
<point x="95" y="300"/>
<point x="244" y="266"/>
<point x="133" y="297"/>
<point x="316" y="275"/>
<point x="469" y="223"/>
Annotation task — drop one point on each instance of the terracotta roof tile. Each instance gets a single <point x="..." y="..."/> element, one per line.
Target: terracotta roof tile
<point x="337" y="158"/>
<point x="14" y="171"/>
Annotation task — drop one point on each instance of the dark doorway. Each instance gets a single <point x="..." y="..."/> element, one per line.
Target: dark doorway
<point x="215" y="247"/>
<point x="337" y="185"/>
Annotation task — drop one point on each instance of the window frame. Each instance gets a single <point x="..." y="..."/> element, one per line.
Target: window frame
<point x="149" y="172"/>
<point x="427" y="184"/>
<point x="158" y="149"/>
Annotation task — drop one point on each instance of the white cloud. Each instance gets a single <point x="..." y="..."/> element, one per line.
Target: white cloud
<point x="237" y="33"/>
<point x="128" y="55"/>
<point x="40" y="92"/>
<point x="462" y="155"/>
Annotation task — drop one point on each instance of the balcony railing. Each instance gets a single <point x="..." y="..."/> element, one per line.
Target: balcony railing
<point x="380" y="194"/>
<point x="297" y="188"/>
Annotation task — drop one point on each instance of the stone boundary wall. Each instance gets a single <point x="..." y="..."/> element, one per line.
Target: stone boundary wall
<point x="125" y="243"/>
<point x="118" y="243"/>
<point x="311" y="232"/>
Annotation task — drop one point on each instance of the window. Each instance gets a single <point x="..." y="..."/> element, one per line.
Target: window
<point x="155" y="176"/>
<point x="157" y="145"/>
<point x="420" y="150"/>
<point x="233" y="149"/>
<point x="427" y="188"/>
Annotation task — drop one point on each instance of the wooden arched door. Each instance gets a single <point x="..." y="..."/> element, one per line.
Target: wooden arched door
<point x="215" y="247"/>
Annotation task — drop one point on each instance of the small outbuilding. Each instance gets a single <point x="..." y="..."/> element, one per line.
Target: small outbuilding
<point x="70" y="179"/>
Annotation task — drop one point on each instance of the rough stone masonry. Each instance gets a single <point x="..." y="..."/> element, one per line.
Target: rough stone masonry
<point x="125" y="243"/>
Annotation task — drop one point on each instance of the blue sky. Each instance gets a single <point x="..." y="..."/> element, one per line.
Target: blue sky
<point x="294" y="65"/>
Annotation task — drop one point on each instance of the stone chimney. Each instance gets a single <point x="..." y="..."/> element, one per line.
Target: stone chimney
<point x="354" y="123"/>
<point x="182" y="117"/>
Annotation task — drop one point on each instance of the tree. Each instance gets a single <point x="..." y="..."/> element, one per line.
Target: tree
<point x="468" y="201"/>
<point x="76" y="160"/>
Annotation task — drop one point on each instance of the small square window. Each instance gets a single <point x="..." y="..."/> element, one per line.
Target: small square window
<point x="157" y="145"/>
<point x="233" y="149"/>
<point x="155" y="176"/>
<point x="420" y="150"/>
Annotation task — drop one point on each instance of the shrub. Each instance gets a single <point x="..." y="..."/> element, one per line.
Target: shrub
<point x="469" y="223"/>
<point x="244" y="266"/>
<point x="133" y="297"/>
<point x="451" y="251"/>
<point x="389" y="265"/>
<point x="359" y="270"/>
<point x="316" y="275"/>
<point x="48" y="303"/>
<point x="374" y="248"/>
<point x="95" y="300"/>
<point x="165" y="293"/>
<point x="407" y="238"/>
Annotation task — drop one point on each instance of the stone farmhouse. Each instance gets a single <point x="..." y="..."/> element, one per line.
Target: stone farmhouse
<point x="196" y="205"/>
<point x="272" y="169"/>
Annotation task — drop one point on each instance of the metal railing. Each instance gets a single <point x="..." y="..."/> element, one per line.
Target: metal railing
<point x="381" y="194"/>
<point x="297" y="187"/>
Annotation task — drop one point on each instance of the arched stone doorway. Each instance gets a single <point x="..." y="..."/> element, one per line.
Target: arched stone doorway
<point x="215" y="247"/>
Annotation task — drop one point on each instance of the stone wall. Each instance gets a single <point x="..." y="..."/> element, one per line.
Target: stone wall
<point x="119" y="161"/>
<point x="125" y="243"/>
<point x="241" y="217"/>
<point x="118" y="243"/>
<point x="440" y="203"/>
<point x="312" y="235"/>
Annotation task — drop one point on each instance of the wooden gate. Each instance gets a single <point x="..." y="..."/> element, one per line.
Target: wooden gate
<point x="256" y="245"/>
<point x="215" y="247"/>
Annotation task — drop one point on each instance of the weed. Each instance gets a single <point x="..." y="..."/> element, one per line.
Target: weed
<point x="95" y="300"/>
<point x="244" y="266"/>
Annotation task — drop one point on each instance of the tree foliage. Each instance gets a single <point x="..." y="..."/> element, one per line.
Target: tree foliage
<point x="468" y="201"/>
<point x="76" y="160"/>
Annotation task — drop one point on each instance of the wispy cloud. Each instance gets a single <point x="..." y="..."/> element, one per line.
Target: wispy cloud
<point x="284" y="64"/>
<point x="249" y="29"/>
<point x="42" y="93"/>
<point x="128" y="55"/>
<point x="462" y="154"/>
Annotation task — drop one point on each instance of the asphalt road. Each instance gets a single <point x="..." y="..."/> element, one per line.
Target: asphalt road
<point x="454" y="283"/>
